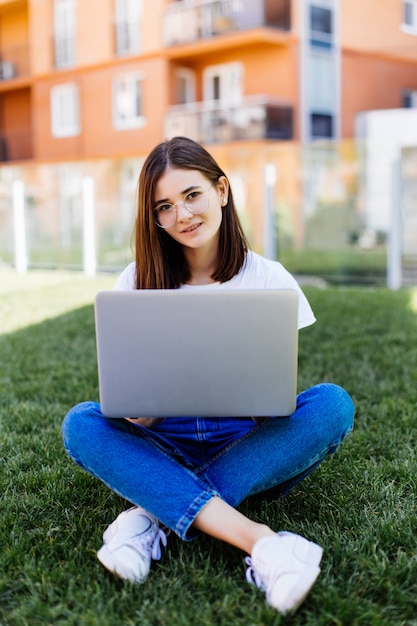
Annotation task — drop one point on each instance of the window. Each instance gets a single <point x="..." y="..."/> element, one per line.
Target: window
<point x="65" y="110"/>
<point x="409" y="99"/>
<point x="64" y="33"/>
<point x="127" y="26"/>
<point x="127" y="102"/>
<point x="321" y="126"/>
<point x="410" y="15"/>
<point x="224" y="83"/>
<point x="321" y="80"/>
<point x="185" y="81"/>
<point x="321" y="27"/>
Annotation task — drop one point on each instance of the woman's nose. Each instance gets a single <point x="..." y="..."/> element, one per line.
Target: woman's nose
<point x="182" y="212"/>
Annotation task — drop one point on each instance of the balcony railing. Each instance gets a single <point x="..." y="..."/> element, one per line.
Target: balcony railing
<point x="15" y="145"/>
<point x="188" y="22"/>
<point x="214" y="122"/>
<point x="14" y="62"/>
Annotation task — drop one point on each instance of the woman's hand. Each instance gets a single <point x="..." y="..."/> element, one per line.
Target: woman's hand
<point x="146" y="422"/>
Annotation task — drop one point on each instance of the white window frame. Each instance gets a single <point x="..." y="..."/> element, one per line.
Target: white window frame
<point x="410" y="28"/>
<point x="127" y="94"/>
<point x="127" y="21"/>
<point x="64" y="33"/>
<point x="230" y="81"/>
<point x="188" y="77"/>
<point x="65" y="110"/>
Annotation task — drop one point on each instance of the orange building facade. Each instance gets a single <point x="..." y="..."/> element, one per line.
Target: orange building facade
<point x="253" y="80"/>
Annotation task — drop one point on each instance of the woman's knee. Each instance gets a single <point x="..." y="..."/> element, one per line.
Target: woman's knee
<point x="332" y="403"/>
<point x="78" y="424"/>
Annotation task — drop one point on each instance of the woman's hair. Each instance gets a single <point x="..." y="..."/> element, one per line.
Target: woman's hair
<point x="160" y="262"/>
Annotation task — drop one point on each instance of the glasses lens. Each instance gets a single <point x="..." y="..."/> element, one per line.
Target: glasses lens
<point x="165" y="215"/>
<point x="197" y="202"/>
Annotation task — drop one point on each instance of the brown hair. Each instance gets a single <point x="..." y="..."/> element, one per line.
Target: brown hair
<point x="160" y="262"/>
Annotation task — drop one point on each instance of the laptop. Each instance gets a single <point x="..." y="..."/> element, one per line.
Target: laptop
<point x="197" y="352"/>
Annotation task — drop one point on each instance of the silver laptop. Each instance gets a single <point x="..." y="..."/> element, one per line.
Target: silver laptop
<point x="197" y="352"/>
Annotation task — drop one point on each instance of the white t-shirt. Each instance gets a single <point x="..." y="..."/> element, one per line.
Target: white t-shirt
<point x="257" y="273"/>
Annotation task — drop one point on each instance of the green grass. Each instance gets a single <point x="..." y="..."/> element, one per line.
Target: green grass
<point x="360" y="505"/>
<point x="344" y="266"/>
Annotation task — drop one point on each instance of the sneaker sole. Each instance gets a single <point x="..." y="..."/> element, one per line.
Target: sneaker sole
<point x="106" y="558"/>
<point x="310" y="554"/>
<point x="309" y="578"/>
<point x="299" y="592"/>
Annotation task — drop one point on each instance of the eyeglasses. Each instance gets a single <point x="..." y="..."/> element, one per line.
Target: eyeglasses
<point x="195" y="202"/>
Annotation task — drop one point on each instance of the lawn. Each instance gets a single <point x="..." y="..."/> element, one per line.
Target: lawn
<point x="360" y="505"/>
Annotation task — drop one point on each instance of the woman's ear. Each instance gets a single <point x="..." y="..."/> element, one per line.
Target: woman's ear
<point x="223" y="188"/>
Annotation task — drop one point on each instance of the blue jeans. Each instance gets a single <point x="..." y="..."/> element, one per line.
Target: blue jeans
<point x="174" y="469"/>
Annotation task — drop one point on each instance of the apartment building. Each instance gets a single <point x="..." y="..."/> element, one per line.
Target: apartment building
<point x="254" y="80"/>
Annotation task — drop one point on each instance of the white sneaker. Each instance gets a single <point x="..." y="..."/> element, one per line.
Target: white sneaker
<point x="286" y="567"/>
<point x="130" y="544"/>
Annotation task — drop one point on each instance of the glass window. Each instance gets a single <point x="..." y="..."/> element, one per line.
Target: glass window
<point x="64" y="33"/>
<point x="321" y="27"/>
<point x="127" y="26"/>
<point x="185" y="86"/>
<point x="65" y="110"/>
<point x="224" y="83"/>
<point x="321" y="126"/>
<point x="409" y="99"/>
<point x="410" y="15"/>
<point x="127" y="101"/>
<point x="321" y="80"/>
<point x="408" y="10"/>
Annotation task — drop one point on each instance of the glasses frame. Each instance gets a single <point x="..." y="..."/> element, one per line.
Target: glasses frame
<point x="183" y="201"/>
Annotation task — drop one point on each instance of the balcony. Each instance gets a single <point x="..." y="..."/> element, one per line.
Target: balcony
<point x="15" y="145"/>
<point x="214" y="122"/>
<point x="14" y="62"/>
<point x="189" y="22"/>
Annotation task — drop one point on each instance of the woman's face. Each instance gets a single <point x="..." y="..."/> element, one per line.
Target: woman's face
<point x="192" y="230"/>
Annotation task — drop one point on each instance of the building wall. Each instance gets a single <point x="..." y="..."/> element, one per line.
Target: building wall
<point x="374" y="27"/>
<point x="378" y="63"/>
<point x="98" y="137"/>
<point x="41" y="20"/>
<point x="372" y="82"/>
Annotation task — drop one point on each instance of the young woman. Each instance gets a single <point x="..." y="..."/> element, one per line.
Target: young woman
<point x="189" y="474"/>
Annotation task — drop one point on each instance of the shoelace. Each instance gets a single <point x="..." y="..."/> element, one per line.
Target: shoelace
<point x="160" y="537"/>
<point x="150" y="543"/>
<point x="252" y="575"/>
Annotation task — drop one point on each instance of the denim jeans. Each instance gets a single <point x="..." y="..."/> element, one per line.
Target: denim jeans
<point x="174" y="469"/>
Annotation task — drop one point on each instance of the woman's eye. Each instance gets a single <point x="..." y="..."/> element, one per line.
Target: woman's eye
<point x="163" y="207"/>
<point x="192" y="196"/>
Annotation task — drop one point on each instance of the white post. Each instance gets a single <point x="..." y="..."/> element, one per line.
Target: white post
<point x="89" y="231"/>
<point x="20" y="249"/>
<point x="269" y="229"/>
<point x="394" y="249"/>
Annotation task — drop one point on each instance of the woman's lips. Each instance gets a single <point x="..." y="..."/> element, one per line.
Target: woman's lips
<point x="191" y="228"/>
